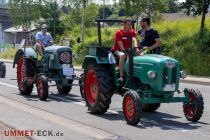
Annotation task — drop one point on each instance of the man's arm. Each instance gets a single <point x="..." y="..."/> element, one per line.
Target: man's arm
<point x="38" y="39"/>
<point x="135" y="42"/>
<point x="157" y="44"/>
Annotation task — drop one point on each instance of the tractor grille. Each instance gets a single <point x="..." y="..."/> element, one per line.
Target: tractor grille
<point x="174" y="72"/>
<point x="166" y="76"/>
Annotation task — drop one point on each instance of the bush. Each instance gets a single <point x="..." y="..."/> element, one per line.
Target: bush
<point x="183" y="41"/>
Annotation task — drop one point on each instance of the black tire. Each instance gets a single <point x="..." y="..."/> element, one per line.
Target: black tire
<point x="2" y="70"/>
<point x="23" y="87"/>
<point x="132" y="107"/>
<point x="150" y="107"/>
<point x="81" y="87"/>
<point x="193" y="110"/>
<point x="99" y="104"/>
<point x="64" y="89"/>
<point x="42" y="87"/>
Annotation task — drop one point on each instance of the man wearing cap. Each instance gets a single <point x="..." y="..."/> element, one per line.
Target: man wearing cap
<point x="150" y="38"/>
<point x="43" y="39"/>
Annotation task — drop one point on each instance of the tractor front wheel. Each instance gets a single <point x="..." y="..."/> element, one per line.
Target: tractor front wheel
<point x="2" y="70"/>
<point x="132" y="107"/>
<point x="42" y="87"/>
<point x="150" y="107"/>
<point x="194" y="109"/>
<point x="98" y="88"/>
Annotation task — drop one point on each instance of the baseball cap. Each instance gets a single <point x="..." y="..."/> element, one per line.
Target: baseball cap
<point x="44" y="26"/>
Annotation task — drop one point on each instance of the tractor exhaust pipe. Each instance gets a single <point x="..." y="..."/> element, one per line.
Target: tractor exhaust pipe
<point x="131" y="61"/>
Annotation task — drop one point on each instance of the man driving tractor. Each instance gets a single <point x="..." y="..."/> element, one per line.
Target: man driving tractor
<point x="43" y="40"/>
<point x="122" y="44"/>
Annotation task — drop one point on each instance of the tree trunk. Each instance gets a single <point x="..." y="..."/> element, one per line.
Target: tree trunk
<point x="205" y="8"/>
<point x="203" y="21"/>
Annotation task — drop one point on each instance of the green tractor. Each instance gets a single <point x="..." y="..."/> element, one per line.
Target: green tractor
<point x="56" y="65"/>
<point x="149" y="81"/>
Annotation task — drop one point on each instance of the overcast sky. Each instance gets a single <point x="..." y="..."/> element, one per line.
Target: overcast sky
<point x="111" y="1"/>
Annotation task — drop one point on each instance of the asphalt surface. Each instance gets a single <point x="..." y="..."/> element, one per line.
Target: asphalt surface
<point x="68" y="115"/>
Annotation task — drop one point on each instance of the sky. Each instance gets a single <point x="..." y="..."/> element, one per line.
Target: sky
<point x="111" y="1"/>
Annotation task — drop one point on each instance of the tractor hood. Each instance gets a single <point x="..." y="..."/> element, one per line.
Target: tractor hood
<point x="165" y="69"/>
<point x="153" y="59"/>
<point x="53" y="49"/>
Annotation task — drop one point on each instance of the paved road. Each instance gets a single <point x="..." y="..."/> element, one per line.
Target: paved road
<point x="69" y="116"/>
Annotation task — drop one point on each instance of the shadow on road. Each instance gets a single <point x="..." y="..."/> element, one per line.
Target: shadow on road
<point x="157" y="119"/>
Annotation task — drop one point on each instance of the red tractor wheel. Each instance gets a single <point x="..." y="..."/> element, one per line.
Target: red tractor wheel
<point x="42" y="87"/>
<point x="132" y="107"/>
<point x="98" y="89"/>
<point x="194" y="109"/>
<point x="24" y="88"/>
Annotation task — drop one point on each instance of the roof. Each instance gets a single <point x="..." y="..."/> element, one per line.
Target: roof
<point x="17" y="30"/>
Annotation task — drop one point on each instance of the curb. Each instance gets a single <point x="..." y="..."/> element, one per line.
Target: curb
<point x="188" y="80"/>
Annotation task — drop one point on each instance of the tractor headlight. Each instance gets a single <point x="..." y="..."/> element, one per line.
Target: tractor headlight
<point x="183" y="74"/>
<point x="152" y="74"/>
<point x="65" y="57"/>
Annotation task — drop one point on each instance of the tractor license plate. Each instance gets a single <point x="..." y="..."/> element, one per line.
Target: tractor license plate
<point x="169" y="87"/>
<point x="68" y="71"/>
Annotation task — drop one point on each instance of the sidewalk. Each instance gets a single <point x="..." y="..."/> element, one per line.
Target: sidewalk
<point x="188" y="80"/>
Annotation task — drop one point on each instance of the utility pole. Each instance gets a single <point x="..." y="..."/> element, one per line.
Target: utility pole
<point x="104" y="11"/>
<point x="83" y="21"/>
<point x="149" y="8"/>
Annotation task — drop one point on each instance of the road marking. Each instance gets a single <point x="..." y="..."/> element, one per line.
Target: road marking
<point x="60" y="98"/>
<point x="67" y="123"/>
<point x="8" y="85"/>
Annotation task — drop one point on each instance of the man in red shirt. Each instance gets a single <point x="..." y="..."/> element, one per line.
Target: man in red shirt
<point x="122" y="43"/>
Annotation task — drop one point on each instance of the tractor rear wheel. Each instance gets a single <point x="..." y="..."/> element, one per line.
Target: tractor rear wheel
<point x="2" y="70"/>
<point x="24" y="88"/>
<point x="98" y="90"/>
<point x="64" y="89"/>
<point x="132" y="107"/>
<point x="42" y="87"/>
<point x="194" y="109"/>
<point x="150" y="107"/>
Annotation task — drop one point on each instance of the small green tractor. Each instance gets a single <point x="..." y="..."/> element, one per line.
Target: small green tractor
<point x="2" y="69"/>
<point x="149" y="81"/>
<point x="56" y="65"/>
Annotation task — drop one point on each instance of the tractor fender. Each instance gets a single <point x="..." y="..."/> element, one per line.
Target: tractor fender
<point x="89" y="61"/>
<point x="29" y="53"/>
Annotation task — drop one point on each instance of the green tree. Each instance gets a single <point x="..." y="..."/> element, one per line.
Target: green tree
<point x="197" y="7"/>
<point x="24" y="12"/>
<point x="137" y="7"/>
<point x="51" y="15"/>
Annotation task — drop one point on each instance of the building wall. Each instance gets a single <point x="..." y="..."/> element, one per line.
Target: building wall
<point x="5" y="22"/>
<point x="1" y="34"/>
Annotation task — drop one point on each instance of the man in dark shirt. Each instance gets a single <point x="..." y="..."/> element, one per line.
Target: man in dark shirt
<point x="150" y="38"/>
